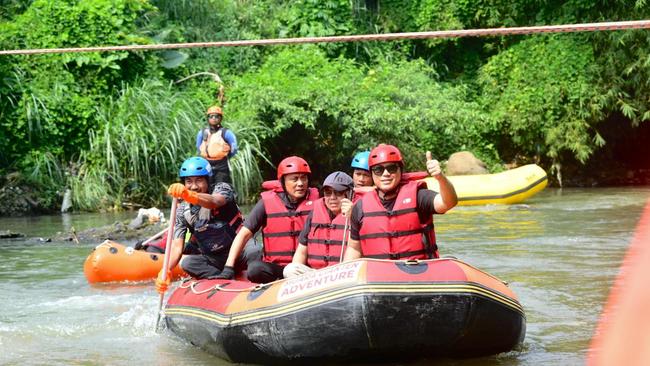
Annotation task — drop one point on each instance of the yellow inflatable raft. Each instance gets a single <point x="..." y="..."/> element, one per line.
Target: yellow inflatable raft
<point x="511" y="186"/>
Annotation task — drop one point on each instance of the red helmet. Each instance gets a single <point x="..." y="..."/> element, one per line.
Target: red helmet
<point x="293" y="164"/>
<point x="384" y="154"/>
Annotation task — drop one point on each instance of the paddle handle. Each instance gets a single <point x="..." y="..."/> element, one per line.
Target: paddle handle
<point x="346" y="235"/>
<point x="156" y="236"/>
<point x="168" y="252"/>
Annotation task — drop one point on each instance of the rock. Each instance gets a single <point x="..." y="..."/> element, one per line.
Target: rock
<point x="465" y="163"/>
<point x="137" y="222"/>
<point x="150" y="215"/>
<point x="67" y="201"/>
<point x="8" y="234"/>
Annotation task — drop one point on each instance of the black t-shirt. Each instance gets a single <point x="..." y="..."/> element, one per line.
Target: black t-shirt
<point x="256" y="219"/>
<point x="424" y="206"/>
<point x="230" y="208"/>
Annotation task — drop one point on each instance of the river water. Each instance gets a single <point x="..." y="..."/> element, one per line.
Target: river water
<point x="560" y="253"/>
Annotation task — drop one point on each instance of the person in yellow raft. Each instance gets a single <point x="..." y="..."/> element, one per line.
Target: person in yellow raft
<point x="217" y="144"/>
<point x="394" y="221"/>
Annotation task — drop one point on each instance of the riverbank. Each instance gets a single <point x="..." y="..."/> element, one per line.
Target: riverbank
<point x="79" y="228"/>
<point x="18" y="201"/>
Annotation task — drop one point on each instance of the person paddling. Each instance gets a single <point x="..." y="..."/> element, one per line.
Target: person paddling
<point x="212" y="216"/>
<point x="322" y="236"/>
<point x="217" y="144"/>
<point x="395" y="220"/>
<point x="281" y="214"/>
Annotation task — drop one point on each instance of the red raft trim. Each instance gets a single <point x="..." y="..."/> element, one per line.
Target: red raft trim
<point x="623" y="332"/>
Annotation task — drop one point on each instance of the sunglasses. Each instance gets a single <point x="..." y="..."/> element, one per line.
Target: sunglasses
<point x="217" y="116"/>
<point x="330" y="192"/>
<point x="379" y="169"/>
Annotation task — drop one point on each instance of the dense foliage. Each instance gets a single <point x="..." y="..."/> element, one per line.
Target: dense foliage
<point x="114" y="126"/>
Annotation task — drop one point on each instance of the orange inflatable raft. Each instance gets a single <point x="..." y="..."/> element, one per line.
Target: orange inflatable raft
<point x="114" y="262"/>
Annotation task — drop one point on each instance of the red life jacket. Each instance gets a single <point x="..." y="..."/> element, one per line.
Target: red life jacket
<point x="325" y="237"/>
<point x="283" y="226"/>
<point x="396" y="234"/>
<point x="406" y="177"/>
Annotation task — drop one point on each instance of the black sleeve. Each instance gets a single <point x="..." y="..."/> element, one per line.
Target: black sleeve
<point x="425" y="203"/>
<point x="256" y="218"/>
<point x="304" y="233"/>
<point x="180" y="225"/>
<point x="224" y="189"/>
<point x="355" y="220"/>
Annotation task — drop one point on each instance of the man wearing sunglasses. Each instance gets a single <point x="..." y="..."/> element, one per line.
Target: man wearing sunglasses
<point x="395" y="220"/>
<point x="320" y="241"/>
<point x="217" y="144"/>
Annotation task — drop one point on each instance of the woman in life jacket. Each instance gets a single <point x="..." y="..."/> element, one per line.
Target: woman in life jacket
<point x="321" y="240"/>
<point x="213" y="218"/>
<point x="217" y="144"/>
<point x="395" y="220"/>
<point x="281" y="215"/>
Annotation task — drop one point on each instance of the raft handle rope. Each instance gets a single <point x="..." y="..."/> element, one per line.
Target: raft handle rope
<point x="191" y="283"/>
<point x="486" y="32"/>
<point x="105" y="243"/>
<point x="221" y="287"/>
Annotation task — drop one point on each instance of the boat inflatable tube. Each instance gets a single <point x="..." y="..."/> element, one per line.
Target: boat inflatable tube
<point x="114" y="262"/>
<point x="509" y="187"/>
<point x="360" y="309"/>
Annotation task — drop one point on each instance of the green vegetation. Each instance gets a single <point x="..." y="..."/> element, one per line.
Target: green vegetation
<point x="115" y="126"/>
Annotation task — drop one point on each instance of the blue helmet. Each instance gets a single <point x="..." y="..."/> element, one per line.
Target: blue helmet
<point x="360" y="161"/>
<point x="195" y="167"/>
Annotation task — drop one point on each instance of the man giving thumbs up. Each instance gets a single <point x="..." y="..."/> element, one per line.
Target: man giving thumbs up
<point x="395" y="220"/>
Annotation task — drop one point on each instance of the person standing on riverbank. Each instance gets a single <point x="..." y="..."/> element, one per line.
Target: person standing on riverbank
<point x="281" y="215"/>
<point x="212" y="218"/>
<point x="320" y="241"/>
<point x="395" y="220"/>
<point x="217" y="144"/>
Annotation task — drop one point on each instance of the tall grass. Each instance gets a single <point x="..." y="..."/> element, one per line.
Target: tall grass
<point x="142" y="138"/>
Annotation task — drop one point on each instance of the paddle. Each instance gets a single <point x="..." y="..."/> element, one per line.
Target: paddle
<point x="345" y="228"/>
<point x="154" y="237"/>
<point x="168" y="251"/>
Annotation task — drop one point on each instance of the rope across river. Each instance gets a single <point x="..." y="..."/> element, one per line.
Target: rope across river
<point x="487" y="32"/>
